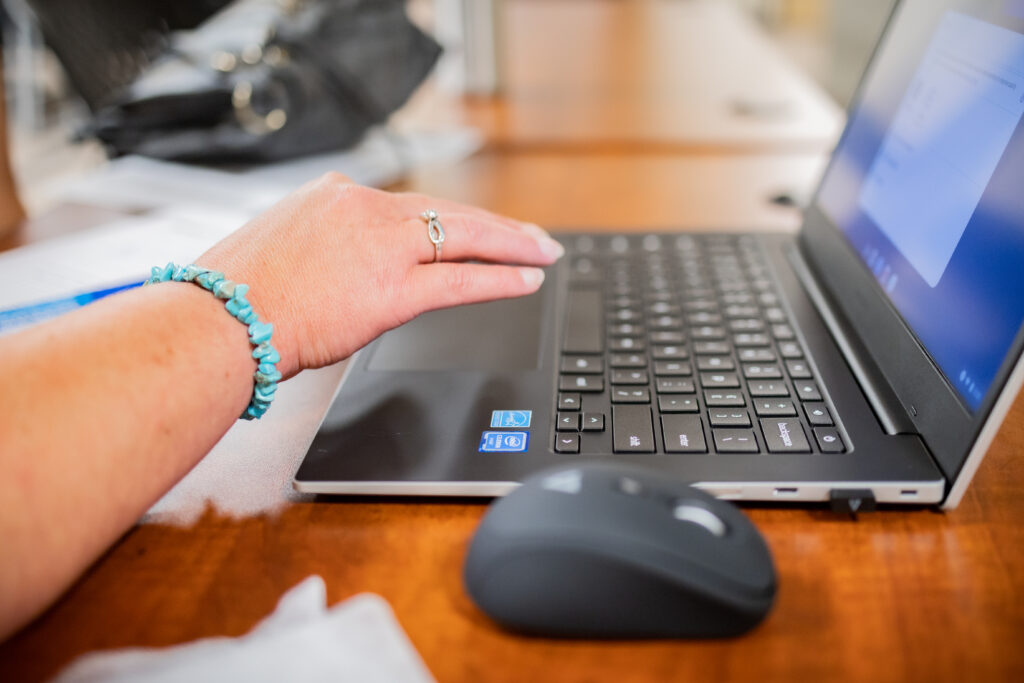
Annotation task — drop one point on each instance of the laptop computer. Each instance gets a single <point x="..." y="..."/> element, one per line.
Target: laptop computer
<point x="873" y="356"/>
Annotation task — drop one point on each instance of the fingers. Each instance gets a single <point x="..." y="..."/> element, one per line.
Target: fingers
<point x="473" y="237"/>
<point x="419" y="203"/>
<point x="439" y="285"/>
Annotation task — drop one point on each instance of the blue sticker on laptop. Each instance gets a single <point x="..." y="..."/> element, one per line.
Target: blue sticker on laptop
<point x="511" y="419"/>
<point x="504" y="442"/>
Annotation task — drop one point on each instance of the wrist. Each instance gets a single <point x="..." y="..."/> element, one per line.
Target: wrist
<point x="260" y="333"/>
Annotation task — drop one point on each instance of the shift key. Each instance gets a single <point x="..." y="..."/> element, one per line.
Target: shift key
<point x="632" y="429"/>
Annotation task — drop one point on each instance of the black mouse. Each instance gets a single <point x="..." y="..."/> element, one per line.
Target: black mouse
<point x="602" y="550"/>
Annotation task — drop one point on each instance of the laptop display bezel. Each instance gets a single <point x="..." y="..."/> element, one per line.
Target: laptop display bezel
<point x="924" y="393"/>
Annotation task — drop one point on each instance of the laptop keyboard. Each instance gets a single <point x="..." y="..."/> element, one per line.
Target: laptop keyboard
<point x="680" y="344"/>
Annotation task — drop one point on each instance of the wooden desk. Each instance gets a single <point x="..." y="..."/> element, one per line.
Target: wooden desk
<point x="675" y="75"/>
<point x="896" y="595"/>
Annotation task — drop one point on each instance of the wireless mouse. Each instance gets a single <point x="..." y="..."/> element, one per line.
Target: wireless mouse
<point x="604" y="550"/>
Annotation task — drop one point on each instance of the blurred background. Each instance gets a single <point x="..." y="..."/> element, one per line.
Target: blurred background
<point x="47" y="103"/>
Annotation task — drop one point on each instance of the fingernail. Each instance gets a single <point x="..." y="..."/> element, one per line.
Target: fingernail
<point x="535" y="230"/>
<point x="533" y="277"/>
<point x="551" y="248"/>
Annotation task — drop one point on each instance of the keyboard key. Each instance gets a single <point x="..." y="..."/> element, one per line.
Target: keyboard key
<point x="625" y="315"/>
<point x="818" y="415"/>
<point x="675" y="403"/>
<point x="734" y="441"/>
<point x="670" y="352"/>
<point x="683" y="434"/>
<point x="672" y="368"/>
<point x="829" y="440"/>
<point x="593" y="422"/>
<point x="774" y="407"/>
<point x="631" y="395"/>
<point x="784" y="436"/>
<point x="625" y="330"/>
<point x="767" y="389"/>
<point x="782" y="331"/>
<point x="665" y="322"/>
<point x="632" y="429"/>
<point x="736" y="311"/>
<point x="719" y="380"/>
<point x="790" y="349"/>
<point x="567" y="422"/>
<point x="724" y="399"/>
<point x="674" y="385"/>
<point x="583" y="365"/>
<point x="627" y="344"/>
<point x="762" y="371"/>
<point x="806" y="390"/>
<point x="708" y="332"/>
<point x="729" y="418"/>
<point x="667" y="337"/>
<point x="746" y="325"/>
<point x="630" y="377"/>
<point x="704" y="318"/>
<point x="663" y="308"/>
<point x="756" y="355"/>
<point x="583" y="383"/>
<point x="712" y="363"/>
<point x="751" y="339"/>
<point x="628" y="360"/>
<point x="567" y="443"/>
<point x="798" y="369"/>
<point x="712" y="348"/>
<point x="568" y="401"/>
<point x="583" y="322"/>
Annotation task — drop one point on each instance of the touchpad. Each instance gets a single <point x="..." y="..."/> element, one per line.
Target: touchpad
<point x="498" y="335"/>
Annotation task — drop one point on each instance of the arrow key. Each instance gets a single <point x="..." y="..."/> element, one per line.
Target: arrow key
<point x="593" y="422"/>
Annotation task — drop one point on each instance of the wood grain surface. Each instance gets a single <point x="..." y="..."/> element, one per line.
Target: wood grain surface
<point x="671" y="75"/>
<point x="608" y="135"/>
<point x="891" y="596"/>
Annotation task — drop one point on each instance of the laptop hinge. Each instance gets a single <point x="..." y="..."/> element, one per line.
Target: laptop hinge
<point x="877" y="391"/>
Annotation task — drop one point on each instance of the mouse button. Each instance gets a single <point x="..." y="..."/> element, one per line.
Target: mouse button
<point x="687" y="511"/>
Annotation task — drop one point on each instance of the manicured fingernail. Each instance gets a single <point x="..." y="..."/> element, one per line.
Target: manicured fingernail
<point x="535" y="230"/>
<point x="533" y="277"/>
<point x="551" y="248"/>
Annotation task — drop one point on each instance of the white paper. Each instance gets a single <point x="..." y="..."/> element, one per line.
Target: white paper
<point x="382" y="157"/>
<point x="356" y="640"/>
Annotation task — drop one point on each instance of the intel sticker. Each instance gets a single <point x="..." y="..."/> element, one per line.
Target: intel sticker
<point x="511" y="419"/>
<point x="504" y="442"/>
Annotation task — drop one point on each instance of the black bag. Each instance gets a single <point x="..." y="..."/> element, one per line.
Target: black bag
<point x="269" y="79"/>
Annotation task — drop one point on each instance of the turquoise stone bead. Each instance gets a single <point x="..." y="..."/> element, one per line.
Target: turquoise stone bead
<point x="260" y="332"/>
<point x="267" y="378"/>
<point x="192" y="271"/>
<point x="272" y="357"/>
<point x="267" y="368"/>
<point x="261" y="350"/>
<point x="243" y="313"/>
<point x="233" y="306"/>
<point x="224" y="289"/>
<point x="251" y="318"/>
<point x="241" y="291"/>
<point x="265" y="393"/>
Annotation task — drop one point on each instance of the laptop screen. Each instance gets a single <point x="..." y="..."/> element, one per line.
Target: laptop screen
<point x="928" y="183"/>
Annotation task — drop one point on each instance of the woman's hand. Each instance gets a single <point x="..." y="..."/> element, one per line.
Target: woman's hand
<point x="336" y="264"/>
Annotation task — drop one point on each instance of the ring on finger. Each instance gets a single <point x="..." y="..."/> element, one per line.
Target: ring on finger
<point x="435" y="231"/>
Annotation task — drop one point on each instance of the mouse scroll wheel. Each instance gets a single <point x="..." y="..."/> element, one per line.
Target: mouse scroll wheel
<point x="700" y="516"/>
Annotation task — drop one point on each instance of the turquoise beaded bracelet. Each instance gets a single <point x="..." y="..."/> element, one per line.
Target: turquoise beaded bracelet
<point x="267" y="376"/>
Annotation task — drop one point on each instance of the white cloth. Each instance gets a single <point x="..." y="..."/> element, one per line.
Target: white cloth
<point x="302" y="640"/>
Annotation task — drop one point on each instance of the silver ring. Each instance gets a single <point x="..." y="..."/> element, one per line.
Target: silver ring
<point x="434" y="231"/>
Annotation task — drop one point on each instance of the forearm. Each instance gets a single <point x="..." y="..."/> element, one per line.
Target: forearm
<point x="100" y="413"/>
